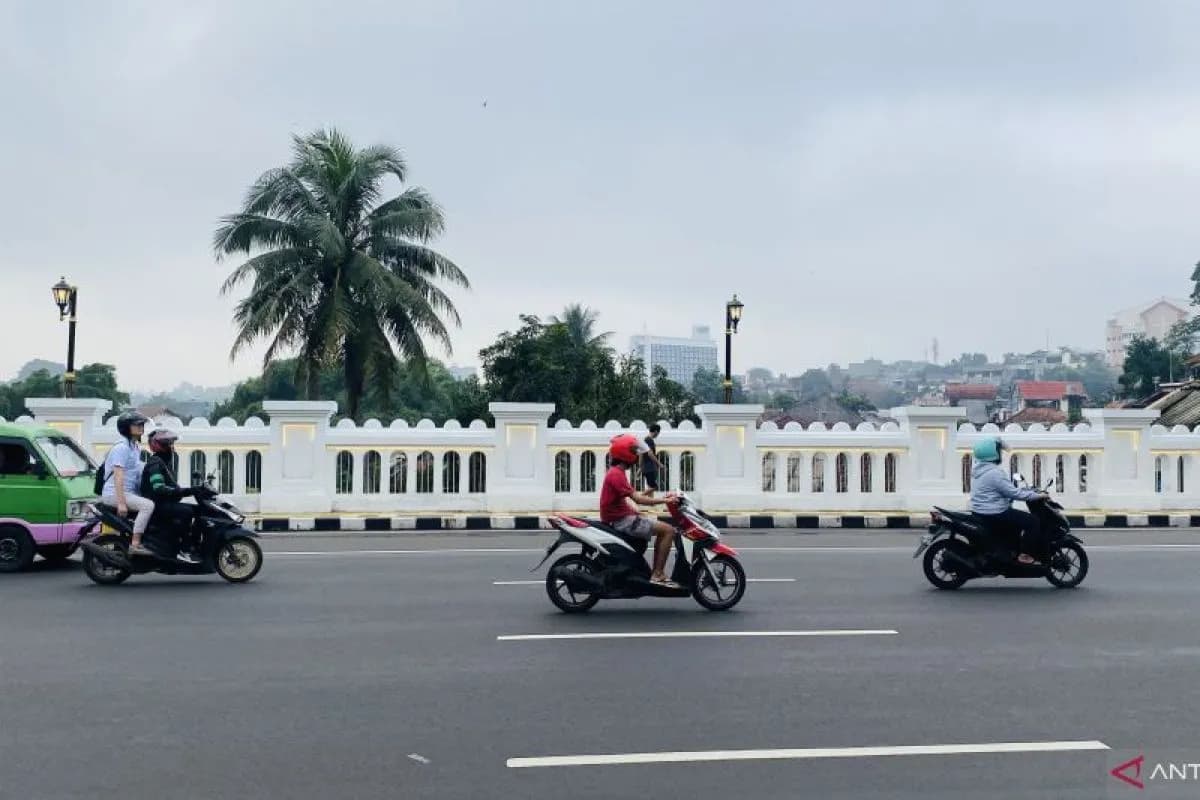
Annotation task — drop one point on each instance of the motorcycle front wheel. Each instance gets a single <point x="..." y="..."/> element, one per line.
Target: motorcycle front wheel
<point x="1067" y="566"/>
<point x="568" y="600"/>
<point x="239" y="559"/>
<point x="726" y="592"/>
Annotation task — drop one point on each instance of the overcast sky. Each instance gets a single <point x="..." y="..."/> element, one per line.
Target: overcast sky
<point x="866" y="176"/>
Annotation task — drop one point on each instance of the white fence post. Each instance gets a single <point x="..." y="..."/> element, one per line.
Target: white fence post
<point x="296" y="475"/>
<point x="78" y="417"/>
<point x="931" y="474"/>
<point x="520" y="472"/>
<point x="1126" y="478"/>
<point x="731" y="473"/>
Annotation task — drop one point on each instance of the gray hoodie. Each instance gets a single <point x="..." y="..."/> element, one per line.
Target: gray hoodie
<point x="992" y="490"/>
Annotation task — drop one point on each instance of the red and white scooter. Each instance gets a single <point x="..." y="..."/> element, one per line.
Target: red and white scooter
<point x="612" y="566"/>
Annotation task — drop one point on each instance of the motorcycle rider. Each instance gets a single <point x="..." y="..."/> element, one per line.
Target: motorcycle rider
<point x="122" y="478"/>
<point x="992" y="493"/>
<point x="158" y="482"/>
<point x="617" y="511"/>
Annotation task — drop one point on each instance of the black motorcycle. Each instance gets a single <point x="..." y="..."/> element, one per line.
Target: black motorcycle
<point x="223" y="544"/>
<point x="959" y="547"/>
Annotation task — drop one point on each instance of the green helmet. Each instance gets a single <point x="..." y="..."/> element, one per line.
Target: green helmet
<point x="989" y="450"/>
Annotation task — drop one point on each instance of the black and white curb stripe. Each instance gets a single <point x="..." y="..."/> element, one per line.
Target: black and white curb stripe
<point x="334" y="524"/>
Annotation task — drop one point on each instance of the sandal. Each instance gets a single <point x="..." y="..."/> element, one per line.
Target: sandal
<point x="666" y="583"/>
<point x="1027" y="560"/>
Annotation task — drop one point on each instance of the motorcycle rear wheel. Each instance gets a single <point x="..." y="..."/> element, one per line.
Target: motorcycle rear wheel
<point x="97" y="570"/>
<point x="568" y="601"/>
<point x="937" y="571"/>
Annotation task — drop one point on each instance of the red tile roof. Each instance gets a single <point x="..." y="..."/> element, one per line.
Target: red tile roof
<point x="1046" y="416"/>
<point x="1050" y="390"/>
<point x="970" y="391"/>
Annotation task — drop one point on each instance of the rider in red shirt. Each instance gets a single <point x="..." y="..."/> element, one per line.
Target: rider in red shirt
<point x="617" y="511"/>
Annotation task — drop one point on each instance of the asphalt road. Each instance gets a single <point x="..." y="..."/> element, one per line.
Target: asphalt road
<point x="370" y="667"/>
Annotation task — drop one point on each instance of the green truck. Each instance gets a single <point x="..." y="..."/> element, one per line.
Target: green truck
<point x="46" y="484"/>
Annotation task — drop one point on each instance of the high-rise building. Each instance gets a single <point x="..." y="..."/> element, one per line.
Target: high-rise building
<point x="1152" y="320"/>
<point x="680" y="357"/>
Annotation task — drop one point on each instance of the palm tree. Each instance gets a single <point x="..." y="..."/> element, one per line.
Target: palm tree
<point x="340" y="277"/>
<point x="580" y="322"/>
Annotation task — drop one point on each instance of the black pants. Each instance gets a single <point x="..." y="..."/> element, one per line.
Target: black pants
<point x="176" y="522"/>
<point x="1006" y="529"/>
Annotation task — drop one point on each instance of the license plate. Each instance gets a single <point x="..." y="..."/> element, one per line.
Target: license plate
<point x="925" y="541"/>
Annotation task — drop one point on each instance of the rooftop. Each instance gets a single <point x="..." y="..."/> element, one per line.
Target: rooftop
<point x="1050" y="390"/>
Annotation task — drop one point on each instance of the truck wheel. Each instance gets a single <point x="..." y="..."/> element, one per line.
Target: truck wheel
<point x="16" y="549"/>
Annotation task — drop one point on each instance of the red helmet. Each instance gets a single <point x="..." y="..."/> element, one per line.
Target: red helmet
<point x="162" y="440"/>
<point x="624" y="449"/>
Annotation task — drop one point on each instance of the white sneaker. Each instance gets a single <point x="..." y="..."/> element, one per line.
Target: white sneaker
<point x="187" y="558"/>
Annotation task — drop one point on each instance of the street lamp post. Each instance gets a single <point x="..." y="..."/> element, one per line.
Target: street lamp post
<point x="65" y="297"/>
<point x="733" y="315"/>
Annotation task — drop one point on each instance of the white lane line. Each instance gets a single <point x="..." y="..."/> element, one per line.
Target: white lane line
<point x="417" y="757"/>
<point x="543" y="583"/>
<point x="832" y="549"/>
<point x="540" y="637"/>
<point x="806" y="753"/>
<point x="449" y="551"/>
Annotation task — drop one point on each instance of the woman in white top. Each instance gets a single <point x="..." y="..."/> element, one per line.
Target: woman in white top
<point x="123" y="476"/>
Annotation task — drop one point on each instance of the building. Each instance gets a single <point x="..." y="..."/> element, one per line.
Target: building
<point x="978" y="399"/>
<point x="1064" y="397"/>
<point x="1152" y="320"/>
<point x="680" y="357"/>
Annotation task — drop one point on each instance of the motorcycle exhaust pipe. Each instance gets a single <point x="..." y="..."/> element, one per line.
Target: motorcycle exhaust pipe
<point x="578" y="581"/>
<point x="953" y="556"/>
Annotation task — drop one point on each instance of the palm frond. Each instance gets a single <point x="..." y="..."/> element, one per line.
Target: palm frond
<point x="412" y="215"/>
<point x="244" y="232"/>
<point x="280" y="192"/>
<point x="403" y="256"/>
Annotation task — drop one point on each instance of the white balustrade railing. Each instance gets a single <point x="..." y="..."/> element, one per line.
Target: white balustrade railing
<point x="1117" y="461"/>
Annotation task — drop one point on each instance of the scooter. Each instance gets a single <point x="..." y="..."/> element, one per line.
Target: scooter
<point x="225" y="545"/>
<point x="958" y="547"/>
<point x="612" y="565"/>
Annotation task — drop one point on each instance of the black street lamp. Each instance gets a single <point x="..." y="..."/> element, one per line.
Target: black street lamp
<point x="65" y="296"/>
<point x="733" y="315"/>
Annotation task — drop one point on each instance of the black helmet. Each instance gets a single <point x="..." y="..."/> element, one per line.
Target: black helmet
<point x="127" y="420"/>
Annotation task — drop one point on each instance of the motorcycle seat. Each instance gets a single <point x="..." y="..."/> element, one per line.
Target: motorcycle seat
<point x="961" y="517"/>
<point x="633" y="541"/>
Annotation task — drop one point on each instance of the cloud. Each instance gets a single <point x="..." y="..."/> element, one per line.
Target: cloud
<point x="867" y="176"/>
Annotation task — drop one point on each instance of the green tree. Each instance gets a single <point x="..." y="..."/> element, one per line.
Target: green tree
<point x="91" y="380"/>
<point x="1146" y="363"/>
<point x="580" y="322"/>
<point x="343" y="278"/>
<point x="543" y="362"/>
<point x="100" y="380"/>
<point x="813" y="385"/>
<point x="708" y="386"/>
<point x="784" y="401"/>
<point x="855" y="404"/>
